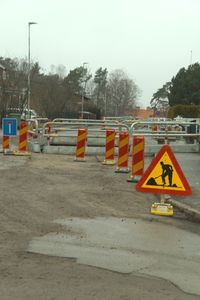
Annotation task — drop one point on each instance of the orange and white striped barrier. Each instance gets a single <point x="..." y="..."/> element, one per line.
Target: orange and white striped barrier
<point x="123" y="150"/>
<point x="6" y="143"/>
<point x="81" y="144"/>
<point x="110" y="147"/>
<point x="137" y="159"/>
<point x="23" y="139"/>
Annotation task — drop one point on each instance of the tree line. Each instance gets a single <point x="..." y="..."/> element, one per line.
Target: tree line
<point x="55" y="94"/>
<point x="181" y="95"/>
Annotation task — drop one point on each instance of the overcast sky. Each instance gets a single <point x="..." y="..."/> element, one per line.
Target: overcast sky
<point x="149" y="39"/>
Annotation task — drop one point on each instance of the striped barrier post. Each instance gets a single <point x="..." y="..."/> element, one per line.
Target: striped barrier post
<point x="81" y="144"/>
<point x="6" y="143"/>
<point x="110" y="147"/>
<point x="137" y="159"/>
<point x="23" y="137"/>
<point x="123" y="150"/>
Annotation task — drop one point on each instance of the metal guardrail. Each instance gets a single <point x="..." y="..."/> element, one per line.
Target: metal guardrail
<point x="185" y="138"/>
<point x="167" y="130"/>
<point x="35" y="125"/>
<point x="82" y="120"/>
<point x="71" y="125"/>
<point x="63" y="132"/>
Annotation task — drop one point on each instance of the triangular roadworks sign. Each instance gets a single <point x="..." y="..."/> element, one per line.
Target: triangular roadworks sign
<point x="164" y="176"/>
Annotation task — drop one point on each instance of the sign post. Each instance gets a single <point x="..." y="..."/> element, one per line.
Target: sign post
<point x="9" y="127"/>
<point x="164" y="176"/>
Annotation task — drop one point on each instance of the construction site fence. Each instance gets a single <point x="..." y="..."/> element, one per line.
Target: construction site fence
<point x="132" y="126"/>
<point x="144" y="128"/>
<point x="63" y="132"/>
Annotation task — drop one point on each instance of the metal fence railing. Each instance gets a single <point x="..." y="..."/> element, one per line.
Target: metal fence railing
<point x="182" y="136"/>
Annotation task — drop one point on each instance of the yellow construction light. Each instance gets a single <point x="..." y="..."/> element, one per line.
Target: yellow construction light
<point x="162" y="209"/>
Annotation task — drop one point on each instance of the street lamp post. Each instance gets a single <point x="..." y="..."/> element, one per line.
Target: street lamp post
<point x="2" y="88"/>
<point x="83" y="91"/>
<point x="29" y="67"/>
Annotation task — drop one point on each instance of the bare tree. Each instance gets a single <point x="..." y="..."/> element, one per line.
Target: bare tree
<point x="121" y="93"/>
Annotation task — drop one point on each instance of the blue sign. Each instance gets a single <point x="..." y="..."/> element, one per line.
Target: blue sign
<point x="9" y="127"/>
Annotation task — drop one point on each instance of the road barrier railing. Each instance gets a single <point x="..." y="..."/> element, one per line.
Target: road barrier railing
<point x="85" y="122"/>
<point x="32" y="128"/>
<point x="182" y="136"/>
<point x="64" y="133"/>
<point x="35" y="126"/>
<point x="95" y="128"/>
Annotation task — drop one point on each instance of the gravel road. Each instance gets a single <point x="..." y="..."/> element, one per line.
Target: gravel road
<point x="34" y="192"/>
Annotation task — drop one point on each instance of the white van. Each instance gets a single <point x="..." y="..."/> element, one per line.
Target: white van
<point x="31" y="114"/>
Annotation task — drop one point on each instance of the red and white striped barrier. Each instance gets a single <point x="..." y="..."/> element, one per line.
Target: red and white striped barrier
<point x="23" y="137"/>
<point x="6" y="143"/>
<point x="137" y="159"/>
<point x="123" y="150"/>
<point x="110" y="147"/>
<point x="81" y="144"/>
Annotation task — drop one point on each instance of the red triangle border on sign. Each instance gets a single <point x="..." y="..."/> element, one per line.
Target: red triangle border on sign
<point x="152" y="165"/>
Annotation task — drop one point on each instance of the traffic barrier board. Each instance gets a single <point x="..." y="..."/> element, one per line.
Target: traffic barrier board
<point x="123" y="150"/>
<point x="81" y="144"/>
<point x="23" y="136"/>
<point x="110" y="147"/>
<point x="137" y="159"/>
<point x="164" y="176"/>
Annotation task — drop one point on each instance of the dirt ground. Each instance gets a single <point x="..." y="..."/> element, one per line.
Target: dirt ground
<point x="37" y="190"/>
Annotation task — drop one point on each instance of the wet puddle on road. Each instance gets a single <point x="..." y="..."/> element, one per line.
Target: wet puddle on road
<point x="127" y="245"/>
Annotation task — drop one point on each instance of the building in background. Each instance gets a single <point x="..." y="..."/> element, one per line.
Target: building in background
<point x="142" y="113"/>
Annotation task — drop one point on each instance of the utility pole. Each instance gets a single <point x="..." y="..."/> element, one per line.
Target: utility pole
<point x="29" y="68"/>
<point x="3" y="103"/>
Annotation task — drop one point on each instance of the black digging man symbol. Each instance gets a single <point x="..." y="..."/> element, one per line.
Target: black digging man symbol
<point x="167" y="173"/>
